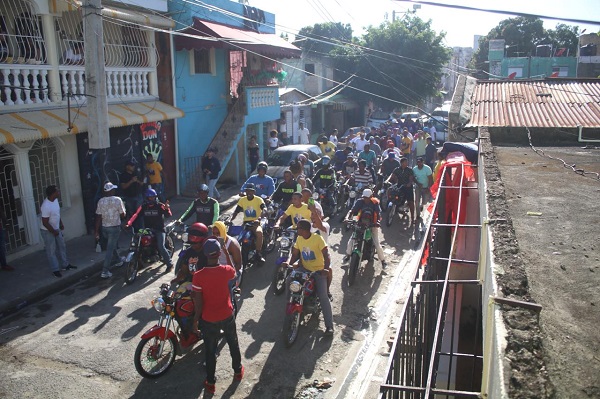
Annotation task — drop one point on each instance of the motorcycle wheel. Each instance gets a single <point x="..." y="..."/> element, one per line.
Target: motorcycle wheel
<point x="131" y="269"/>
<point x="279" y="280"/>
<point x="269" y="241"/>
<point x="146" y="362"/>
<point x="170" y="246"/>
<point x="244" y="264"/>
<point x="353" y="269"/>
<point x="390" y="216"/>
<point x="291" y="326"/>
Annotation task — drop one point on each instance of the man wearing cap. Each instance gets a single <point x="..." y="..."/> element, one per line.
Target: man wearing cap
<point x="370" y="205"/>
<point x="211" y="168"/>
<point x="205" y="208"/>
<point x="109" y="213"/>
<point x="214" y="310"/>
<point x="391" y="147"/>
<point x="252" y="206"/>
<point x="349" y="166"/>
<point x="423" y="180"/>
<point x="131" y="188"/>
<point x="326" y="146"/>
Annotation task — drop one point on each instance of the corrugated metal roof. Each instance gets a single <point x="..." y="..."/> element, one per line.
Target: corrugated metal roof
<point x="541" y="103"/>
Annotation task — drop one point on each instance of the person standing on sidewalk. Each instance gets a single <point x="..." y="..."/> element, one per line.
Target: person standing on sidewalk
<point x="109" y="212"/>
<point x="155" y="176"/>
<point x="3" y="222"/>
<point x="52" y="232"/>
<point x="303" y="135"/>
<point x="214" y="310"/>
<point x="253" y="153"/>
<point x="131" y="188"/>
<point x="211" y="168"/>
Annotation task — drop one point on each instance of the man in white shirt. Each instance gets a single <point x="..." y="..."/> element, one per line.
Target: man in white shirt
<point x="360" y="141"/>
<point x="303" y="134"/>
<point x="109" y="213"/>
<point x="51" y="230"/>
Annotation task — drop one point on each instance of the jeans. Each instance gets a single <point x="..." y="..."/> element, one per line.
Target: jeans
<point x="131" y="205"/>
<point x="56" y="251"/>
<point x="2" y="248"/>
<point x="211" y="333"/>
<point x="422" y="196"/>
<point x="212" y="189"/>
<point x="111" y="234"/>
<point x="162" y="250"/>
<point x="375" y="235"/>
<point x="321" y="282"/>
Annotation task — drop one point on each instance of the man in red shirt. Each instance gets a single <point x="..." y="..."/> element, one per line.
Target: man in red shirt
<point x="214" y="310"/>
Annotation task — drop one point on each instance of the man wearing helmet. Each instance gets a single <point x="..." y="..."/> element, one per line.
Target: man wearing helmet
<point x="154" y="213"/>
<point x="264" y="185"/>
<point x="205" y="208"/>
<point x="193" y="259"/>
<point x="325" y="176"/>
<point x="349" y="166"/>
<point x="252" y="206"/>
<point x="368" y="206"/>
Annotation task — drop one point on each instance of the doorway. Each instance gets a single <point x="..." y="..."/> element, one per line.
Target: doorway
<point x="10" y="201"/>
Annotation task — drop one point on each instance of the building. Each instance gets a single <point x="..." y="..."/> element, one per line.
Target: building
<point x="227" y="81"/>
<point x="43" y="114"/>
<point x="546" y="62"/>
<point x="588" y="57"/>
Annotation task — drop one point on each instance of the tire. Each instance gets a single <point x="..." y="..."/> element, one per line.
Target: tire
<point x="291" y="326"/>
<point x="131" y="269"/>
<point x="244" y="264"/>
<point x="170" y="246"/>
<point x="353" y="269"/>
<point x="269" y="241"/>
<point x="391" y="214"/>
<point x="145" y="362"/>
<point x="279" y="280"/>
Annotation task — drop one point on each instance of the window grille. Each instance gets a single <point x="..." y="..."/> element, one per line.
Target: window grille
<point x="21" y="39"/>
<point x="201" y="61"/>
<point x="10" y="201"/>
<point x="43" y="161"/>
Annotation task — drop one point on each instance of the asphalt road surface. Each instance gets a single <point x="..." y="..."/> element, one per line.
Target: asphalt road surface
<point x="81" y="341"/>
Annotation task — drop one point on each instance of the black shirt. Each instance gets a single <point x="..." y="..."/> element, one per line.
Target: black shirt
<point x="134" y="189"/>
<point x="205" y="211"/>
<point x="389" y="165"/>
<point x="154" y="215"/>
<point x="403" y="175"/>
<point x="194" y="261"/>
<point x="324" y="177"/>
<point x="285" y="190"/>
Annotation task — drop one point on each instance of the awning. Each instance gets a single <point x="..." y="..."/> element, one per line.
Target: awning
<point x="204" y="34"/>
<point x="25" y="126"/>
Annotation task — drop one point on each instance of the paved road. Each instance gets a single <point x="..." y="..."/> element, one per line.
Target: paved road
<point x="80" y="342"/>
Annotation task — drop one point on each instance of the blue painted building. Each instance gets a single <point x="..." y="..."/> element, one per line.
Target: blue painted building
<point x="226" y="82"/>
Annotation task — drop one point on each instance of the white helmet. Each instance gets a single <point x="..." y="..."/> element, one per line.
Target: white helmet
<point x="368" y="193"/>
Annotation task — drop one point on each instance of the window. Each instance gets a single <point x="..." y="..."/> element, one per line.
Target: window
<point x="518" y="71"/>
<point x="562" y="71"/>
<point x="202" y="61"/>
<point x="309" y="69"/>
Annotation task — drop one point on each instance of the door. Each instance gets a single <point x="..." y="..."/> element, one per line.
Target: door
<point x="10" y="200"/>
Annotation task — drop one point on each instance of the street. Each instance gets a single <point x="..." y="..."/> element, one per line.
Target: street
<point x="81" y="341"/>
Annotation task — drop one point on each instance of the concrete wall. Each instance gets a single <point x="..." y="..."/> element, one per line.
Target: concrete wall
<point x="538" y="66"/>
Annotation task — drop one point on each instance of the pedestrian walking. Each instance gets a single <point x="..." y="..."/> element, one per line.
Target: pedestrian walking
<point x="109" y="213"/>
<point x="3" y="264"/>
<point x="303" y="135"/>
<point x="214" y="310"/>
<point x="52" y="232"/>
<point x="211" y="167"/>
<point x="253" y="153"/>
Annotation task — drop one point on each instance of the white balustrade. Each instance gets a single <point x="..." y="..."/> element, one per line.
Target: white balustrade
<point x="22" y="84"/>
<point x="260" y="98"/>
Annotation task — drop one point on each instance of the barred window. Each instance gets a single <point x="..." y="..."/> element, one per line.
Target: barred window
<point x="21" y="39"/>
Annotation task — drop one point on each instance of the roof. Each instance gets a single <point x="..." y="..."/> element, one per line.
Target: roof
<point x="205" y="34"/>
<point x="550" y="103"/>
<point x="288" y="90"/>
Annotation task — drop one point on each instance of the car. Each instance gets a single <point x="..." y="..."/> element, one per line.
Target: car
<point x="413" y="115"/>
<point x="350" y="134"/>
<point x="441" y="128"/>
<point x="280" y="159"/>
<point x="377" y="118"/>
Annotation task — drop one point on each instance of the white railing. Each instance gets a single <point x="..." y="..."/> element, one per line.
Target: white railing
<point x="24" y="85"/>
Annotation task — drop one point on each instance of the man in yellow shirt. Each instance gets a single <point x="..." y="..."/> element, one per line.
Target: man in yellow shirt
<point x="312" y="249"/>
<point x="327" y="147"/>
<point x="154" y="174"/>
<point x="252" y="206"/>
<point x="297" y="210"/>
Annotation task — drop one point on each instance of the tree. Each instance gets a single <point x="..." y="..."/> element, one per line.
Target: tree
<point x="401" y="61"/>
<point x="564" y="36"/>
<point x="314" y="39"/>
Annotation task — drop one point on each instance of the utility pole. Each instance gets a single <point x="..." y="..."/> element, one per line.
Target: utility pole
<point x="95" y="76"/>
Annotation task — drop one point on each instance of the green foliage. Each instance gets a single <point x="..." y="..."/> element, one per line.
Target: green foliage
<point x="312" y="39"/>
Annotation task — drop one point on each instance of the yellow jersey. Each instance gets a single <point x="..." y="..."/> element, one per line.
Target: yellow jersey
<point x="252" y="208"/>
<point x="311" y="251"/>
<point x="298" y="213"/>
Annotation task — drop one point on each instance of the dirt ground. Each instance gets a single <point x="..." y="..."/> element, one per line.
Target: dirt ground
<point x="550" y="248"/>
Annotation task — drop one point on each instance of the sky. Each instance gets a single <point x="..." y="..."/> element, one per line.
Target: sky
<point x="460" y="25"/>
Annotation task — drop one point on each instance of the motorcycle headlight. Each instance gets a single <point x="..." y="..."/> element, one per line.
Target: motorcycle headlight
<point x="159" y="304"/>
<point x="270" y="210"/>
<point x="352" y="194"/>
<point x="284" y="242"/>
<point x="315" y="195"/>
<point x="184" y="237"/>
<point x="295" y="286"/>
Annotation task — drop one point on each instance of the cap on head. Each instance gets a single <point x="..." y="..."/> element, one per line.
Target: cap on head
<point x="202" y="188"/>
<point x="211" y="248"/>
<point x="250" y="186"/>
<point x="109" y="187"/>
<point x="367" y="193"/>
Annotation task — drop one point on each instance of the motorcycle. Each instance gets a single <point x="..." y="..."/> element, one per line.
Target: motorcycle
<point x="143" y="250"/>
<point x="363" y="247"/>
<point x="182" y="235"/>
<point x="286" y="243"/>
<point x="247" y="240"/>
<point x="272" y="213"/>
<point x="158" y="347"/>
<point x="303" y="301"/>
<point x="396" y="205"/>
<point x="326" y="196"/>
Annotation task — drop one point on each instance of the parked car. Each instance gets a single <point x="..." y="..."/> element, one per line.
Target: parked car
<point x="441" y="128"/>
<point x="280" y="159"/>
<point x="413" y="115"/>
<point x="377" y="118"/>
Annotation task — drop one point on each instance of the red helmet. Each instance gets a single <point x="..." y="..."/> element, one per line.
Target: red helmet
<point x="197" y="233"/>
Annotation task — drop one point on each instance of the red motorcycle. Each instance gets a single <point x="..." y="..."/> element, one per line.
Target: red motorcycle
<point x="303" y="301"/>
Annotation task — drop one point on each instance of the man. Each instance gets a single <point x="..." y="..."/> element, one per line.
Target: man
<point x="368" y="205"/>
<point x="155" y="177"/>
<point x="359" y="142"/>
<point x="432" y="131"/>
<point x="368" y="155"/>
<point x="3" y="264"/>
<point x="420" y="144"/>
<point x="340" y="157"/>
<point x="307" y="164"/>
<point x="313" y="251"/>
<point x="306" y="196"/>
<point x="252" y="206"/>
<point x="131" y="188"/>
<point x="404" y="178"/>
<point x="406" y="145"/>
<point x="327" y="147"/>
<point x="374" y="146"/>
<point x="362" y="176"/>
<point x="285" y="189"/>
<point x="424" y="180"/>
<point x="214" y="310"/>
<point x="388" y="165"/>
<point x="52" y="232"/>
<point x="193" y="258"/>
<point x="206" y="208"/>
<point x="265" y="186"/>
<point x="430" y="153"/>
<point x="109" y="213"/>
<point x="303" y="135"/>
<point x="333" y="137"/>
<point x="391" y="147"/>
<point x="297" y="211"/>
<point x="154" y="213"/>
<point x="322" y="228"/>
<point x="349" y="166"/>
<point x="230" y="247"/>
<point x="211" y="167"/>
<point x="325" y="176"/>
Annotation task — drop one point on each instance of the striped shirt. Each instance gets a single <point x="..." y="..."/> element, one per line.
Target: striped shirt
<point x="364" y="179"/>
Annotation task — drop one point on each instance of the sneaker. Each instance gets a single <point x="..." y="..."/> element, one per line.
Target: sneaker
<point x="329" y="332"/>
<point x="240" y="374"/>
<point x="106" y="275"/>
<point x="210" y="388"/>
<point x="120" y="262"/>
<point x="70" y="267"/>
<point x="57" y="274"/>
<point x="383" y="264"/>
<point x="8" y="268"/>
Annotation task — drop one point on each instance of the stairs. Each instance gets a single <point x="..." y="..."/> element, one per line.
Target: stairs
<point x="224" y="143"/>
